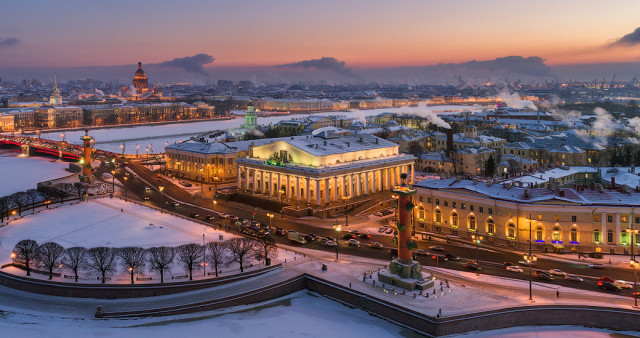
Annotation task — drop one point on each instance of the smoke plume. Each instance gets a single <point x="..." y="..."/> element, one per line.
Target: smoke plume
<point x="513" y="100"/>
<point x="193" y="64"/>
<point x="423" y="111"/>
<point x="630" y="39"/>
<point x="324" y="63"/>
<point x="635" y="124"/>
<point x="8" y="42"/>
<point x="99" y="92"/>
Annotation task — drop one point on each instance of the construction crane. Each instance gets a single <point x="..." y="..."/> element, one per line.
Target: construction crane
<point x="613" y="81"/>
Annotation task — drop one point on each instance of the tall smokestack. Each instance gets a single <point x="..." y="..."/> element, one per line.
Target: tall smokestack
<point x="613" y="182"/>
<point x="449" y="142"/>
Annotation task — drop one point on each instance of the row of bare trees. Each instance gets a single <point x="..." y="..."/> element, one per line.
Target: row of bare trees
<point x="23" y="200"/>
<point x="134" y="260"/>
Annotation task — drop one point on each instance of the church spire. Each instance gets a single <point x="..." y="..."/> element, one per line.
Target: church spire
<point x="55" y="84"/>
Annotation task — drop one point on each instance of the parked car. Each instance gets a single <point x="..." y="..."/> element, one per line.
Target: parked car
<point x="623" y="284"/>
<point x="436" y="248"/>
<point x="573" y="278"/>
<point x="146" y="197"/>
<point x="353" y="242"/>
<point x="389" y="231"/>
<point x="513" y="268"/>
<point x="557" y="272"/>
<point x="596" y="266"/>
<point x="375" y="245"/>
<point x="608" y="286"/>
<point x="330" y="243"/>
<point x="421" y="252"/>
<point x="452" y="257"/>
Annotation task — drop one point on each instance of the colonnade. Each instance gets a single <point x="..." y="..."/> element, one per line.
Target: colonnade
<point x="320" y="190"/>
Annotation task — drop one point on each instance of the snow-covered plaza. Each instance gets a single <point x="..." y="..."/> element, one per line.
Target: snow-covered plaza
<point x="21" y="173"/>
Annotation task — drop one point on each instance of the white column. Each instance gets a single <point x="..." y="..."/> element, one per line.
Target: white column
<point x="326" y="191"/>
<point x="307" y="192"/>
<point x="374" y="181"/>
<point x="239" y="183"/>
<point x="398" y="182"/>
<point x="246" y="178"/>
<point x="255" y="181"/>
<point x="298" y="188"/>
<point x="616" y="235"/>
<point x="603" y="237"/>
<point x="366" y="183"/>
<point x="288" y="184"/>
<point x="335" y="189"/>
<point x="346" y="187"/>
<point x="317" y="192"/>
<point x="271" y="192"/>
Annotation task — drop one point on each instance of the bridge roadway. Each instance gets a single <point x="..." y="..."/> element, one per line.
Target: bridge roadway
<point x="491" y="257"/>
<point x="41" y="147"/>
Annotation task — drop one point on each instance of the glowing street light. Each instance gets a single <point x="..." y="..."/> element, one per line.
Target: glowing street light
<point x="125" y="187"/>
<point x="113" y="182"/>
<point x="161" y="188"/>
<point x="270" y="215"/>
<point x="214" y="204"/>
<point x="338" y="228"/>
<point x="137" y="147"/>
<point x="13" y="255"/>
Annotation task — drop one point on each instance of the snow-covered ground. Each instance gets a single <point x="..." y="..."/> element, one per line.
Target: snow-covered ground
<point x="158" y="136"/>
<point x="20" y="173"/>
<point x="299" y="314"/>
<point x="549" y="332"/>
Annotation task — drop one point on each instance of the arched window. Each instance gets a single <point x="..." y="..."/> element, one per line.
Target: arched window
<point x="609" y="236"/>
<point x="472" y="222"/>
<point x="539" y="234"/>
<point x="491" y="226"/>
<point x="438" y="216"/>
<point x="573" y="235"/>
<point x="511" y="231"/>
<point x="454" y="219"/>
<point x="596" y="236"/>
<point x="421" y="213"/>
<point x="556" y="234"/>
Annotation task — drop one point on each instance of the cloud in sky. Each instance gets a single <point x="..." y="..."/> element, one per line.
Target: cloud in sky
<point x="631" y="39"/>
<point x="193" y="64"/>
<point x="8" y="42"/>
<point x="324" y="63"/>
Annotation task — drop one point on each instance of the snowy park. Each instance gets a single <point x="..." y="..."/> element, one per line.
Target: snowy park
<point x="21" y="173"/>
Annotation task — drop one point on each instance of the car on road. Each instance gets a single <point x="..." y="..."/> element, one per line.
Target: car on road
<point x="526" y="263"/>
<point x="326" y="239"/>
<point x="355" y="232"/>
<point x="364" y="236"/>
<point x="147" y="188"/>
<point x="280" y="231"/>
<point x="176" y="204"/>
<point x="542" y="275"/>
<point x="375" y="245"/>
<point x="573" y="278"/>
<point x="330" y="243"/>
<point x="623" y="284"/>
<point x="507" y="264"/>
<point x="146" y="197"/>
<point x="452" y="257"/>
<point x="354" y="242"/>
<point x="596" y="266"/>
<point x="436" y="248"/>
<point x="557" y="272"/>
<point x="349" y="236"/>
<point x="159" y="176"/>
<point x="383" y="228"/>
<point x="195" y="215"/>
<point x="513" y="268"/>
<point x="389" y="231"/>
<point x="471" y="266"/>
<point x="437" y="257"/>
<point x="185" y="184"/>
<point x="310" y="237"/>
<point x="422" y="252"/>
<point x="208" y="217"/>
<point x="608" y="286"/>
<point x="606" y="279"/>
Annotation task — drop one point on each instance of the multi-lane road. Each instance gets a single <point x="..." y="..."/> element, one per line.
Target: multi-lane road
<point x="491" y="258"/>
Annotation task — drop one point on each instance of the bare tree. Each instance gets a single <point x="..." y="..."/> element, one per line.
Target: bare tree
<point x="191" y="256"/>
<point x="242" y="249"/>
<point x="75" y="259"/>
<point x="32" y="195"/>
<point x="133" y="259"/>
<point x="50" y="254"/>
<point x="216" y="254"/>
<point x="160" y="259"/>
<point x="79" y="188"/>
<point x="19" y="199"/>
<point x="5" y="203"/>
<point x="25" y="253"/>
<point x="102" y="260"/>
<point x="266" y="248"/>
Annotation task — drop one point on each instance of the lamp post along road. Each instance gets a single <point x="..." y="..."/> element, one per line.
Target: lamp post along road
<point x="338" y="228"/>
<point x="632" y="234"/>
<point x="270" y="215"/>
<point x="125" y="187"/>
<point x="161" y="204"/>
<point x="113" y="182"/>
<point x="346" y="212"/>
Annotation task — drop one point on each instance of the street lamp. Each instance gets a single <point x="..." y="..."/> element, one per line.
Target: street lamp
<point x="477" y="238"/>
<point x="338" y="228"/>
<point x="113" y="182"/>
<point x="214" y="204"/>
<point x="122" y="147"/>
<point x="530" y="259"/>
<point x="281" y="205"/>
<point x="215" y="183"/>
<point x="125" y="187"/>
<point x="270" y="215"/>
<point x="633" y="233"/>
<point x="161" y="204"/>
<point x="346" y="213"/>
<point x="137" y="147"/>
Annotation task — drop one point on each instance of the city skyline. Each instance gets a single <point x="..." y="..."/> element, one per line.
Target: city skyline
<point x="255" y="34"/>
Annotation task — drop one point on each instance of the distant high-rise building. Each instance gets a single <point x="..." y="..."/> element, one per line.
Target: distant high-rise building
<point x="140" y="81"/>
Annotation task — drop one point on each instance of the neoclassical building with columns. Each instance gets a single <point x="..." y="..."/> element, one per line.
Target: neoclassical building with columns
<point x="322" y="168"/>
<point x="583" y="218"/>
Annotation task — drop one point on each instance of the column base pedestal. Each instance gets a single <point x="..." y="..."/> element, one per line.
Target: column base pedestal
<point x="406" y="275"/>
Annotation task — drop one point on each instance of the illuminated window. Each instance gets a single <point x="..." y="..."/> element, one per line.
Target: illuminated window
<point x="623" y="219"/>
<point x="539" y="217"/>
<point x="556" y="218"/>
<point x="491" y="226"/>
<point x="539" y="234"/>
<point x="623" y="237"/>
<point x="472" y="223"/>
<point x="596" y="217"/>
<point x="596" y="236"/>
<point x="573" y="235"/>
<point x="454" y="219"/>
<point x="511" y="231"/>
<point x="556" y="234"/>
<point x="438" y="216"/>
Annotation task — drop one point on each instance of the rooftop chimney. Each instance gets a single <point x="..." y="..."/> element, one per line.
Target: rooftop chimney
<point x="613" y="182"/>
<point x="449" y="142"/>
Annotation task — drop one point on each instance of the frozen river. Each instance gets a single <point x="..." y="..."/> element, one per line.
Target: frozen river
<point x="156" y="137"/>
<point x="20" y="173"/>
